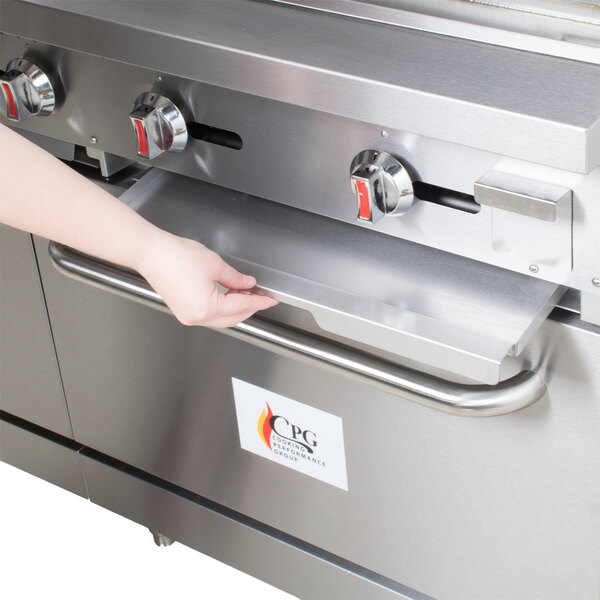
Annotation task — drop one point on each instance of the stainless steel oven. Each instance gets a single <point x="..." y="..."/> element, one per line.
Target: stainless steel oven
<point x="420" y="193"/>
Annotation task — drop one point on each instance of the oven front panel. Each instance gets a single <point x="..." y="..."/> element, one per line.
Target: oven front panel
<point x="301" y="157"/>
<point x="504" y="508"/>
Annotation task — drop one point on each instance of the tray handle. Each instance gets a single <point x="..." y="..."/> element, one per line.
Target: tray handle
<point x="506" y="397"/>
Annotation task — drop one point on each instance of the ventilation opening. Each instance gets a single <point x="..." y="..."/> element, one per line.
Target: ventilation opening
<point x="213" y="135"/>
<point x="446" y="197"/>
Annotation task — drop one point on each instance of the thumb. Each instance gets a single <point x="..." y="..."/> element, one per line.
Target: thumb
<point x="230" y="278"/>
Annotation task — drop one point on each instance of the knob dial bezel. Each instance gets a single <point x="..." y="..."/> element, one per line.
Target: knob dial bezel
<point x="158" y="119"/>
<point x="385" y="181"/>
<point x="31" y="90"/>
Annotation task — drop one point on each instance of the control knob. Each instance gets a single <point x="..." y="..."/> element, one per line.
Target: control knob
<point x="381" y="184"/>
<point x="27" y="90"/>
<point x="159" y="126"/>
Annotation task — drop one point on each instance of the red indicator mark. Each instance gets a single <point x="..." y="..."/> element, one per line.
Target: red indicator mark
<point x="141" y="137"/>
<point x="364" y="206"/>
<point x="10" y="99"/>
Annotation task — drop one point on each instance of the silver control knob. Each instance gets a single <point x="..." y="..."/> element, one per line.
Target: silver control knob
<point x="27" y="90"/>
<point x="381" y="184"/>
<point x="159" y="126"/>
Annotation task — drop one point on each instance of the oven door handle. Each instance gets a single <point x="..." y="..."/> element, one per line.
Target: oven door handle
<point x="506" y="397"/>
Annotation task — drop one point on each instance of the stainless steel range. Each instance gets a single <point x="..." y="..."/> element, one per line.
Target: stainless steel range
<point x="419" y="187"/>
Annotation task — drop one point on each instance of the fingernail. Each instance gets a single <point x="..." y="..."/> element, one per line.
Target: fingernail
<point x="248" y="280"/>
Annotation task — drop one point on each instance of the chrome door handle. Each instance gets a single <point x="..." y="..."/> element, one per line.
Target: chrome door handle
<point x="506" y="397"/>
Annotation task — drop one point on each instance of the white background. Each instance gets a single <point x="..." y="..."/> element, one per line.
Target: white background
<point x="57" y="545"/>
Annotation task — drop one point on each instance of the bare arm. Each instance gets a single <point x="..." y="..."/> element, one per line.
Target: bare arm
<point x="41" y="195"/>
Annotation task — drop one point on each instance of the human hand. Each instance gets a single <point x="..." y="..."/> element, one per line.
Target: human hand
<point x="184" y="273"/>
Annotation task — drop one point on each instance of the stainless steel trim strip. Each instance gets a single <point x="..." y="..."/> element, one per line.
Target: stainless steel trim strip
<point x="508" y="396"/>
<point x="453" y="28"/>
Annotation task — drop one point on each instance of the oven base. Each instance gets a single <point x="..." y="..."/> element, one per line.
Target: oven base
<point x="230" y="537"/>
<point x="49" y="456"/>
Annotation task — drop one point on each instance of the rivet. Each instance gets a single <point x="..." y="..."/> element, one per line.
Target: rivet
<point x="159" y="78"/>
<point x="534" y="268"/>
<point x="384" y="133"/>
<point x="596" y="281"/>
<point x="93" y="139"/>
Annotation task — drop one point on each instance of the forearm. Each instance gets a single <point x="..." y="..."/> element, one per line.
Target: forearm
<point x="41" y="195"/>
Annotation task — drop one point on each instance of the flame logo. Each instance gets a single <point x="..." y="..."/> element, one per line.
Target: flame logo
<point x="264" y="425"/>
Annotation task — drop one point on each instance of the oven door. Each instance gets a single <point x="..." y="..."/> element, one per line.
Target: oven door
<point x="503" y="508"/>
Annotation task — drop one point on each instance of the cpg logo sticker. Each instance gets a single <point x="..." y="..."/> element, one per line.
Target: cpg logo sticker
<point x="290" y="433"/>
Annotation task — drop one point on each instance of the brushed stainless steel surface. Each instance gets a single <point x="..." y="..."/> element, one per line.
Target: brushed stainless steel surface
<point x="431" y="307"/>
<point x="576" y="10"/>
<point x="30" y="385"/>
<point x="517" y="495"/>
<point x="381" y="184"/>
<point x="27" y="91"/>
<point x="281" y="564"/>
<point x="524" y="196"/>
<point x="503" y="398"/>
<point x="543" y="17"/>
<point x="462" y="509"/>
<point x="109" y="163"/>
<point x="548" y="242"/>
<point x="41" y="457"/>
<point x="451" y="89"/>
<point x="566" y="38"/>
<point x="590" y="307"/>
<point x="570" y="302"/>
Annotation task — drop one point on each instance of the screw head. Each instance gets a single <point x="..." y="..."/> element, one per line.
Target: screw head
<point x="596" y="281"/>
<point x="384" y="133"/>
<point x="93" y="139"/>
<point x="534" y="268"/>
<point x="159" y="78"/>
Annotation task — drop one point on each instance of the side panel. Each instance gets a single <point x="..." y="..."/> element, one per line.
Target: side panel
<point x="504" y="508"/>
<point x="30" y="385"/>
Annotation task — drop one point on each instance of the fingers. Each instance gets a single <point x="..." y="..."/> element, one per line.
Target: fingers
<point x="229" y="277"/>
<point x="230" y="321"/>
<point x="184" y="272"/>
<point x="251" y="303"/>
<point x="227" y="310"/>
<point x="233" y="304"/>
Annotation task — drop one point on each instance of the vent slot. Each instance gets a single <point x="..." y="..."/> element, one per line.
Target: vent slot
<point x="213" y="135"/>
<point x="446" y="197"/>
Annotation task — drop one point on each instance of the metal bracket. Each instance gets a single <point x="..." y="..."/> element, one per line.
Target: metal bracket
<point x="109" y="163"/>
<point x="520" y="195"/>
